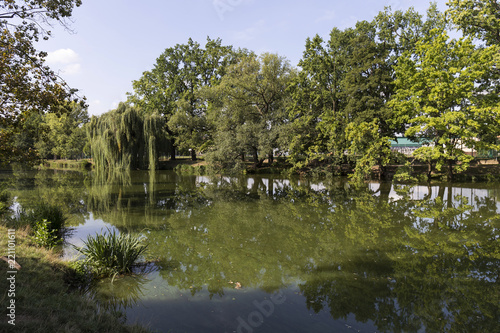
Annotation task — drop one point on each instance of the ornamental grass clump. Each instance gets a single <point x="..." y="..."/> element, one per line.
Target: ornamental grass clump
<point x="111" y="253"/>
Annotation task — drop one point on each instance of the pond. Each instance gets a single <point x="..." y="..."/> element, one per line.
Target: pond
<point x="269" y="254"/>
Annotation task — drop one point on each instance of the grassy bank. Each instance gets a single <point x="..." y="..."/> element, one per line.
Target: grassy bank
<point x="480" y="170"/>
<point x="67" y="164"/>
<point x="44" y="299"/>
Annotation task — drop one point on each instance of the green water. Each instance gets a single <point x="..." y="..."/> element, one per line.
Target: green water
<point x="267" y="254"/>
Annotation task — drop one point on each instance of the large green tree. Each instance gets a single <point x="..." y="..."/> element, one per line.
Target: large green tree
<point x="171" y="88"/>
<point x="127" y="138"/>
<point x="442" y="98"/>
<point x="316" y="94"/>
<point x="367" y="86"/>
<point x="339" y="111"/>
<point x="62" y="134"/>
<point x="251" y="108"/>
<point x="28" y="85"/>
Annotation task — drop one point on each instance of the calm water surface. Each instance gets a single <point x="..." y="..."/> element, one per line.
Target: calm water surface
<point x="268" y="254"/>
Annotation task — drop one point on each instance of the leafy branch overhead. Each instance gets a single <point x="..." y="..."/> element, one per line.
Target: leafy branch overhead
<point x="28" y="84"/>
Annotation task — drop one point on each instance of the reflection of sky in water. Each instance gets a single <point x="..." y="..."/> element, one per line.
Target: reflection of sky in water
<point x="80" y="233"/>
<point x="420" y="192"/>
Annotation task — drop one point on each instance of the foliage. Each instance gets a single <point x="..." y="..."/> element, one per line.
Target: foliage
<point x="127" y="138"/>
<point x="53" y="303"/>
<point x="344" y="85"/>
<point x="442" y="96"/>
<point x="44" y="235"/>
<point x="250" y="109"/>
<point x="28" y="85"/>
<point x="190" y="170"/>
<point x="5" y="199"/>
<point x="111" y="253"/>
<point x="367" y="147"/>
<point x="62" y="134"/>
<point x="172" y="89"/>
<point x="33" y="216"/>
<point x="315" y="94"/>
<point x="477" y="18"/>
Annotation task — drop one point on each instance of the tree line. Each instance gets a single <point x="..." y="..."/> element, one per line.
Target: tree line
<point x="399" y="74"/>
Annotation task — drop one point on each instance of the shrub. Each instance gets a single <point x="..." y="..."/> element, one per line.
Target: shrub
<point x="39" y="212"/>
<point x="5" y="201"/>
<point x="85" y="165"/>
<point x="43" y="235"/>
<point x="111" y="253"/>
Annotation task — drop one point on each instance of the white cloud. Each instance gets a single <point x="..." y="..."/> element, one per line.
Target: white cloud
<point x="62" y="56"/>
<point x="66" y="60"/>
<point x="328" y="16"/>
<point x="251" y="32"/>
<point x="72" y="69"/>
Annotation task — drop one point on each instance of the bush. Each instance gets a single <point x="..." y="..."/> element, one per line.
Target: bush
<point x="110" y="253"/>
<point x="39" y="212"/>
<point x="85" y="165"/>
<point x="5" y="201"/>
<point x="43" y="235"/>
<point x="187" y="169"/>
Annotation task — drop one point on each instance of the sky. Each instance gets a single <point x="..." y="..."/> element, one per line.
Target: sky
<point x="113" y="42"/>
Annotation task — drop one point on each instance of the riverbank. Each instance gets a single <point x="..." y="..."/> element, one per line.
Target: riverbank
<point x="479" y="170"/>
<point x="40" y="294"/>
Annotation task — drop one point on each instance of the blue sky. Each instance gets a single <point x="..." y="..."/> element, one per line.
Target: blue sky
<point x="115" y="41"/>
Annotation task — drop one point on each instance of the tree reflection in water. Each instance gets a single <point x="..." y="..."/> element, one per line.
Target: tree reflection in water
<point x="403" y="258"/>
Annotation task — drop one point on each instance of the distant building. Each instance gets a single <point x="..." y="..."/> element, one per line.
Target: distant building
<point x="405" y="146"/>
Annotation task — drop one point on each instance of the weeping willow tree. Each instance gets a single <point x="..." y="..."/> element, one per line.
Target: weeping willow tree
<point x="127" y="139"/>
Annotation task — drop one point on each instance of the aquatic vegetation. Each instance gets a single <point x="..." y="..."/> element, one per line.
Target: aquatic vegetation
<point x="111" y="253"/>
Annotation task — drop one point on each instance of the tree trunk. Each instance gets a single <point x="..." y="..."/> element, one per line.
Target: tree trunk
<point x="172" y="150"/>
<point x="382" y="171"/>
<point x="429" y="170"/>
<point x="243" y="157"/>
<point x="255" y="156"/>
<point x="451" y="176"/>
<point x="270" y="158"/>
<point x="193" y="155"/>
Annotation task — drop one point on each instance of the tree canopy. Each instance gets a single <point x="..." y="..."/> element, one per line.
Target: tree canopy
<point x="398" y="74"/>
<point x="171" y="88"/>
<point x="250" y="108"/>
<point x="28" y="85"/>
<point x="477" y="18"/>
<point x="441" y="99"/>
<point x="127" y="138"/>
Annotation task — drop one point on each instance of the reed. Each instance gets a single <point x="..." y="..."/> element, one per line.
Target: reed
<point x="111" y="253"/>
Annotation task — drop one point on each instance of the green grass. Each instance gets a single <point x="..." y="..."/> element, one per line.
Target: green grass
<point x="44" y="299"/>
<point x="111" y="253"/>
